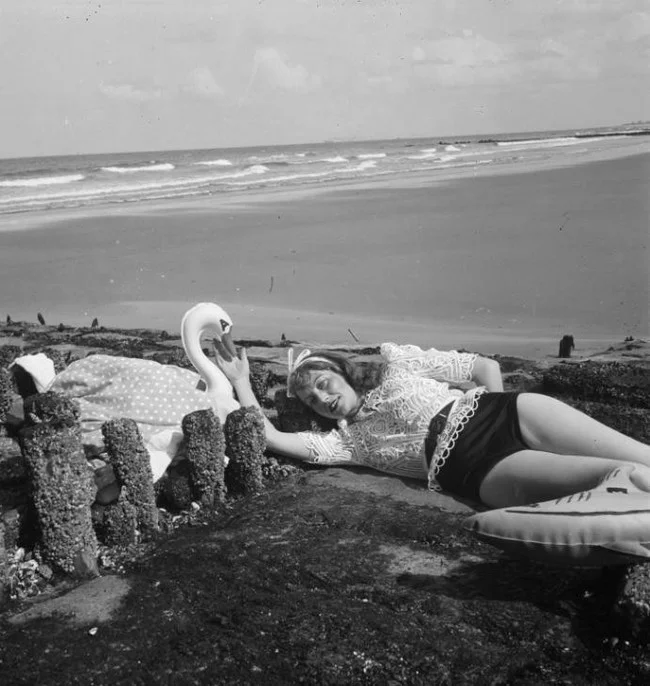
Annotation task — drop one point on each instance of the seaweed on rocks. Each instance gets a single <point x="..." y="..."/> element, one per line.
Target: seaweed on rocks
<point x="8" y="353"/>
<point x="52" y="408"/>
<point x="245" y="445"/>
<point x="62" y="491"/>
<point x="205" y="451"/>
<point x="132" y="465"/>
<point x="260" y="378"/>
<point x="611" y="382"/>
<point x="175" y="356"/>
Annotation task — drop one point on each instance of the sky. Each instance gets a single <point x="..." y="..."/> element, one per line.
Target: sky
<point x="82" y="76"/>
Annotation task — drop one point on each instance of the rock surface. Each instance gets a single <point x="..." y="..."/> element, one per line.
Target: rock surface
<point x="337" y="576"/>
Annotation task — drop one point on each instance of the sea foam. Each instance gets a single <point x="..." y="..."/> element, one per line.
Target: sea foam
<point x="27" y="182"/>
<point x="215" y="163"/>
<point x="125" y="169"/>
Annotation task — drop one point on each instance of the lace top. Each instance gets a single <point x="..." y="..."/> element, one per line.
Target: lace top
<point x="388" y="432"/>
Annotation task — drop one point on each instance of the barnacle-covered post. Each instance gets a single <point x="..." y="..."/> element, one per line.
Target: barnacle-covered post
<point x="61" y="485"/>
<point x="7" y="394"/>
<point x="132" y="466"/>
<point x="245" y="445"/>
<point x="205" y="453"/>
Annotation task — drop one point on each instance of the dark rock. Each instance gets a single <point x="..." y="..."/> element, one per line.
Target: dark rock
<point x="175" y="356"/>
<point x="12" y="463"/>
<point x="41" y="319"/>
<point x="4" y="564"/>
<point x="62" y="492"/>
<point x="631" y="608"/>
<point x="205" y="452"/>
<point x="130" y="460"/>
<point x="567" y="344"/>
<point x="8" y="353"/>
<point x="613" y="382"/>
<point x="245" y="446"/>
<point x="52" y="408"/>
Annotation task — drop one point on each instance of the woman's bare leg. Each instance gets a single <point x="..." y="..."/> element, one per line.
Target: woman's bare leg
<point x="530" y="476"/>
<point x="549" y="425"/>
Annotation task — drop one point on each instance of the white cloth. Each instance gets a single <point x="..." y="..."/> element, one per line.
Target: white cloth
<point x="40" y="367"/>
<point x="388" y="433"/>
<point x="155" y="396"/>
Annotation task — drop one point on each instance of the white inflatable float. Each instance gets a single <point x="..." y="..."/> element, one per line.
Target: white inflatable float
<point x="608" y="525"/>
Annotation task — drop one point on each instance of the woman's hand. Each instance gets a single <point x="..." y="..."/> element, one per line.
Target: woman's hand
<point x="235" y="367"/>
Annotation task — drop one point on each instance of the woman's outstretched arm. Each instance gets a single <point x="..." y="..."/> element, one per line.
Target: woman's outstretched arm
<point x="237" y="371"/>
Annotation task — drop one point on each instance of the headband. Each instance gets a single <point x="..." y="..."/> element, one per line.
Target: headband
<point x="304" y="356"/>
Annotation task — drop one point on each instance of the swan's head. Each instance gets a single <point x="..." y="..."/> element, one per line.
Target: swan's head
<point x="206" y="320"/>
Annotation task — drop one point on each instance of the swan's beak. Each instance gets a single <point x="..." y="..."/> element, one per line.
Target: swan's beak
<point x="227" y="342"/>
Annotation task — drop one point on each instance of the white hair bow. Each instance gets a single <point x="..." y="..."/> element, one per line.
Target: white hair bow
<point x="293" y="365"/>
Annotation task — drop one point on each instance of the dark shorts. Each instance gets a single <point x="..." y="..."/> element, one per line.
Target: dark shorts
<point x="491" y="434"/>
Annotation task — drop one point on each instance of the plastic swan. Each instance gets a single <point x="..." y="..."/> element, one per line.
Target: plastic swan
<point x="208" y="318"/>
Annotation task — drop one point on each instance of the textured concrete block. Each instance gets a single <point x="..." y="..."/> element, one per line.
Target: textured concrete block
<point x="130" y="460"/>
<point x="245" y="446"/>
<point x="63" y="491"/>
<point x="205" y="453"/>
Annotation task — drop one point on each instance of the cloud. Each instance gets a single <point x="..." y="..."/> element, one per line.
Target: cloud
<point x="456" y="60"/>
<point x="281" y="74"/>
<point x="202" y="84"/>
<point x="129" y="92"/>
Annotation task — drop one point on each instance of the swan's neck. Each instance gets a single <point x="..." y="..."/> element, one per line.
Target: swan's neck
<point x="203" y="319"/>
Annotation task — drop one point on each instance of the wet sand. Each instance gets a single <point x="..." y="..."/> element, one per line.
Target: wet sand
<point x="492" y="262"/>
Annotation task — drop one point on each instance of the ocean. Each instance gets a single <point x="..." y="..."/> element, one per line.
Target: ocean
<point x="48" y="183"/>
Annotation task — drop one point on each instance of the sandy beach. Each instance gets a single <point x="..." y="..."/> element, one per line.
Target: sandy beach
<point x="495" y="262"/>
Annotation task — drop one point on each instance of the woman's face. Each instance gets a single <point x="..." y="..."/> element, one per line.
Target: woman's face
<point x="329" y="394"/>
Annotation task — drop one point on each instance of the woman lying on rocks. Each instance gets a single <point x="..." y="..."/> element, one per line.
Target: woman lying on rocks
<point x="411" y="419"/>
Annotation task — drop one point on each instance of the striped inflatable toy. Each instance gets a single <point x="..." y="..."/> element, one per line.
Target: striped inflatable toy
<point x="608" y="525"/>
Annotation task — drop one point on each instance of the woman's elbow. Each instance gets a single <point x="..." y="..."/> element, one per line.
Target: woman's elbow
<point x="487" y="372"/>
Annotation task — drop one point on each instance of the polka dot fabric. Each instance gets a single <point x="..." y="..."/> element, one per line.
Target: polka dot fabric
<point x="156" y="396"/>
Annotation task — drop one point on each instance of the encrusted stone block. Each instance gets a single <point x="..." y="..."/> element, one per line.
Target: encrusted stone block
<point x="118" y="523"/>
<point x="245" y="445"/>
<point x="53" y="408"/>
<point x="174" y="488"/>
<point x="62" y="491"/>
<point x="205" y="452"/>
<point x="7" y="393"/>
<point x="132" y="466"/>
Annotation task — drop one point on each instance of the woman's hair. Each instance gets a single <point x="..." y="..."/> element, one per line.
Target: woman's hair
<point x="362" y="376"/>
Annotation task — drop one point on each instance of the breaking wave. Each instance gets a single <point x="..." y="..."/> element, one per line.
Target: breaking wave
<point x="27" y="182"/>
<point x="131" y="169"/>
<point x="215" y="163"/>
